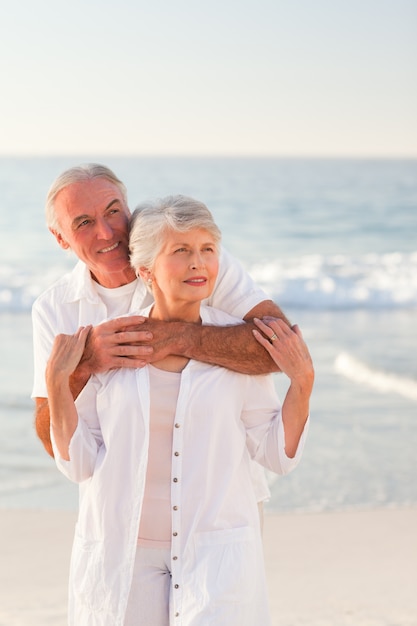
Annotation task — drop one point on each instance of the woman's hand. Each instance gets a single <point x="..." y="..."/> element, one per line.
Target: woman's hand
<point x="287" y="348"/>
<point x="66" y="353"/>
<point x="289" y="351"/>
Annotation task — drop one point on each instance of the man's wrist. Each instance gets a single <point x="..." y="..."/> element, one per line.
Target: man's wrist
<point x="187" y="339"/>
<point x="79" y="378"/>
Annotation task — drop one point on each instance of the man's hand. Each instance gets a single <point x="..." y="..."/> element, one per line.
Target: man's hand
<point x="121" y="342"/>
<point x="117" y="343"/>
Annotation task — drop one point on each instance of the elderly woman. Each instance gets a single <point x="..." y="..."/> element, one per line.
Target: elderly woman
<point x="168" y="528"/>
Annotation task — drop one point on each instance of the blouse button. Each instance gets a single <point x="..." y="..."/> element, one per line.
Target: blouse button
<point x="175" y="508"/>
<point x="177" y="425"/>
<point x="175" y="480"/>
<point x="176" y="453"/>
<point x="175" y="534"/>
<point x="174" y="558"/>
<point x="176" y="586"/>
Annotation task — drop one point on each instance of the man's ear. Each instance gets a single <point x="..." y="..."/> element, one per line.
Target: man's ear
<point x="60" y="239"/>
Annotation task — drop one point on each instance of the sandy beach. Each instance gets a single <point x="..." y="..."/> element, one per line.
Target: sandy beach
<point x="325" y="569"/>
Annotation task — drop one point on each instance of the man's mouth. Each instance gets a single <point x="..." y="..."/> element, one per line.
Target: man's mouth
<point x="110" y="248"/>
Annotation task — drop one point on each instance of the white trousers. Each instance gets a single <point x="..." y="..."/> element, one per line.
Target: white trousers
<point x="150" y="592"/>
<point x="149" y="599"/>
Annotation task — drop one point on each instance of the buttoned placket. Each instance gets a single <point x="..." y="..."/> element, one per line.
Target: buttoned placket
<point x="176" y="476"/>
<point x="176" y="501"/>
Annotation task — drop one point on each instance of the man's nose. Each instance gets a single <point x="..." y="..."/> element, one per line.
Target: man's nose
<point x="103" y="230"/>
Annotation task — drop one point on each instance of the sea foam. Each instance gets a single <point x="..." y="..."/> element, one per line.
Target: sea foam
<point x="384" y="382"/>
<point x="372" y="281"/>
<point x="341" y="282"/>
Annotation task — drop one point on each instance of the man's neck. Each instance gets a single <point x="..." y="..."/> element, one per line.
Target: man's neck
<point x="117" y="280"/>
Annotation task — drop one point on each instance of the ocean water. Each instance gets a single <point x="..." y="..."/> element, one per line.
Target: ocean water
<point x="334" y="242"/>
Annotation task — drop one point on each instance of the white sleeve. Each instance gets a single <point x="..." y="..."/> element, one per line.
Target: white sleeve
<point x="87" y="441"/>
<point x="44" y="333"/>
<point x="265" y="436"/>
<point x="259" y="482"/>
<point x="83" y="451"/>
<point x="235" y="292"/>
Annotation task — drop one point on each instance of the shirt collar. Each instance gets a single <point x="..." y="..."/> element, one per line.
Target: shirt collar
<point x="81" y="287"/>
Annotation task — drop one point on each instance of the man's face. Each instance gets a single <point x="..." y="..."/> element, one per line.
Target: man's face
<point x="93" y="219"/>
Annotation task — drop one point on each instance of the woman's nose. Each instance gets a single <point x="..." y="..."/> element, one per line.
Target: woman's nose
<point x="197" y="261"/>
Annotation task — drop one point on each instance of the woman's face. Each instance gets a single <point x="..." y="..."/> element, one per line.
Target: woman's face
<point x="185" y="270"/>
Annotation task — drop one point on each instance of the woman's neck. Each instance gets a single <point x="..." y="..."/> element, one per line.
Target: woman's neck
<point x="187" y="313"/>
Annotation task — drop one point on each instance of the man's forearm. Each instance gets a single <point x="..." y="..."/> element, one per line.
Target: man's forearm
<point x="42" y="424"/>
<point x="232" y="347"/>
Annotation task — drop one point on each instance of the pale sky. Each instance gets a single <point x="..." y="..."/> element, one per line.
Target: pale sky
<point x="212" y="77"/>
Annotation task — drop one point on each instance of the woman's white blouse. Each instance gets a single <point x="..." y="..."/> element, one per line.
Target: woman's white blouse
<point x="216" y="555"/>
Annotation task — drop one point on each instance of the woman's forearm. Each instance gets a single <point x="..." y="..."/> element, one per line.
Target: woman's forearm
<point x="65" y="356"/>
<point x="63" y="415"/>
<point x="295" y="411"/>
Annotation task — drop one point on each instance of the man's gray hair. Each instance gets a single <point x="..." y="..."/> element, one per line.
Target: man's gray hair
<point x="151" y="220"/>
<point x="78" y="174"/>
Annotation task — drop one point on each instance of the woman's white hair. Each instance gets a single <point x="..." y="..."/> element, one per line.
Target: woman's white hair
<point x="77" y="174"/>
<point x="151" y="220"/>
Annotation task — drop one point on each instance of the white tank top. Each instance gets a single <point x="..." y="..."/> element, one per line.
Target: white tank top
<point x="155" y="522"/>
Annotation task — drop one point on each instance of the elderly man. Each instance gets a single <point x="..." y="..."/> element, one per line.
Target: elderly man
<point x="87" y="212"/>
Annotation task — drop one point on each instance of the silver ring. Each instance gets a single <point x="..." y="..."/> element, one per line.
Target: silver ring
<point x="273" y="337"/>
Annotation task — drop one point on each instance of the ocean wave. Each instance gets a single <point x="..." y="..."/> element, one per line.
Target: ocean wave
<point x="384" y="382"/>
<point x="19" y="287"/>
<point x="373" y="281"/>
<point x="309" y="282"/>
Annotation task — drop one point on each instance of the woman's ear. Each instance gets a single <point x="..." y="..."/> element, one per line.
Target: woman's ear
<point x="145" y="274"/>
